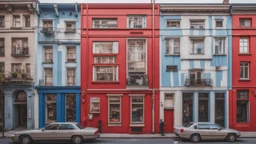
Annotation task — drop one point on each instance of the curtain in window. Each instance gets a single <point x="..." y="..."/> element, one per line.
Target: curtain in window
<point x="71" y="76"/>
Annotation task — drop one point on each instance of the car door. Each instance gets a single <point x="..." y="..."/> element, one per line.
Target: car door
<point x="217" y="133"/>
<point x="65" y="131"/>
<point x="204" y="131"/>
<point x="48" y="133"/>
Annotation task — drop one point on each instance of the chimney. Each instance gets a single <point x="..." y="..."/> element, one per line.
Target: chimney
<point x="225" y="1"/>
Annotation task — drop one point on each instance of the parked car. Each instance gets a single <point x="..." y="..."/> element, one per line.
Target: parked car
<point x="57" y="132"/>
<point x="206" y="131"/>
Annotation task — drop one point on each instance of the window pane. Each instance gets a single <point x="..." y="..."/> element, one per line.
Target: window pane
<point x="104" y="60"/>
<point x="137" y="55"/>
<point x="104" y="23"/>
<point x="220" y="108"/>
<point x="203" y="107"/>
<point x="105" y="47"/>
<point x="105" y="73"/>
<point x="137" y="109"/>
<point x="70" y="107"/>
<point x="114" y="109"/>
<point x="168" y="101"/>
<point x="50" y="108"/>
<point x="52" y="127"/>
<point x="243" y="94"/>
<point x="187" y="107"/>
<point x="242" y="114"/>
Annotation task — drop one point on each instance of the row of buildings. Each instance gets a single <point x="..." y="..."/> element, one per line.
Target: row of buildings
<point x="127" y="65"/>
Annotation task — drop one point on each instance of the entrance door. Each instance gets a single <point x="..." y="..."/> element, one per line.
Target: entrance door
<point x="20" y="110"/>
<point x="168" y="119"/>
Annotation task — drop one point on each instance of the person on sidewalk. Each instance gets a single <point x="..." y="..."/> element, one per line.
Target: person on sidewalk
<point x="162" y="124"/>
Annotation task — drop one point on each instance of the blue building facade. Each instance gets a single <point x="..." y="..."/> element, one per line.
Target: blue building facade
<point x="196" y="62"/>
<point x="57" y="69"/>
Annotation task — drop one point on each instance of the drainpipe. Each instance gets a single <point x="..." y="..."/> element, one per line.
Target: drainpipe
<point x="153" y="59"/>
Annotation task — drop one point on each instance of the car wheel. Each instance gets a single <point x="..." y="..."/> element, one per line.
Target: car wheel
<point x="231" y="137"/>
<point x="77" y="139"/>
<point x="25" y="139"/>
<point x="195" y="138"/>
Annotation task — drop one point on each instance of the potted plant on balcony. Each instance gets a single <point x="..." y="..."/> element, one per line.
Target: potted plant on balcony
<point x="13" y="74"/>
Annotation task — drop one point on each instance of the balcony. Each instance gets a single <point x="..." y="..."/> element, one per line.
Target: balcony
<point x="20" y="52"/>
<point x="137" y="80"/>
<point x="19" y="77"/>
<point x="47" y="30"/>
<point x="69" y="30"/>
<point x="198" y="82"/>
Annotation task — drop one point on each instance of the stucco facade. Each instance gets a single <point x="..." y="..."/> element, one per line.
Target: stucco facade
<point x="199" y="67"/>
<point x="57" y="69"/>
<point x="17" y="63"/>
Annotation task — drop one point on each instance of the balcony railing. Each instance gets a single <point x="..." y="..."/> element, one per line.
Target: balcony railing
<point x="198" y="82"/>
<point x="70" y="30"/>
<point x="47" y="30"/>
<point x="137" y="80"/>
<point x="20" y="52"/>
<point x="20" y="77"/>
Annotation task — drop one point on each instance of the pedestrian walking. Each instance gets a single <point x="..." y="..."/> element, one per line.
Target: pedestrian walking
<point x="162" y="124"/>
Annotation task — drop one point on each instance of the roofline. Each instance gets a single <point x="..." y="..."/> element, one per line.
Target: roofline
<point x="119" y="5"/>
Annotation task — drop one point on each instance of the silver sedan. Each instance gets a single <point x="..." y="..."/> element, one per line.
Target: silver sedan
<point x="57" y="131"/>
<point x="206" y="131"/>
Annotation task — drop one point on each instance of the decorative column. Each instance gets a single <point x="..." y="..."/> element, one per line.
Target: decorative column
<point x="212" y="107"/>
<point x="195" y="107"/>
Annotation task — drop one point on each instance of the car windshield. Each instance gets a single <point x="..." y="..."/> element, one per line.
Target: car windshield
<point x="219" y="126"/>
<point x="79" y="126"/>
<point x="188" y="124"/>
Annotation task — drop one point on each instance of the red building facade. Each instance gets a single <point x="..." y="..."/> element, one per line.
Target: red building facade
<point x="243" y="96"/>
<point x="120" y="67"/>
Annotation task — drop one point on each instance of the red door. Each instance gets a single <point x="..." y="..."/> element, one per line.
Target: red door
<point x="168" y="119"/>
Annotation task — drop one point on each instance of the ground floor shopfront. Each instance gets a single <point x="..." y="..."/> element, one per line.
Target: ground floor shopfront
<point x="121" y="112"/>
<point x="58" y="104"/>
<point x="242" y="103"/>
<point x="182" y="106"/>
<point x="17" y="106"/>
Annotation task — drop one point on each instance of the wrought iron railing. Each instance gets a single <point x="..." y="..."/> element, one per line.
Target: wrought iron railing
<point x="198" y="82"/>
<point x="20" y="51"/>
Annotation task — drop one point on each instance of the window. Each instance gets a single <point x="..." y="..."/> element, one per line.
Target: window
<point x="137" y="22"/>
<point x="26" y="20"/>
<point x="196" y="75"/>
<point x="243" y="106"/>
<point x="168" y="100"/>
<point x="172" y="46"/>
<point x="244" y="70"/>
<point x="187" y="107"/>
<point x="244" y="22"/>
<point x="104" y="23"/>
<point x="114" y="105"/>
<point x="219" y="23"/>
<point x="2" y="21"/>
<point x="70" y="26"/>
<point x="48" y="54"/>
<point x="71" y="76"/>
<point x="20" y="46"/>
<point x="71" y="54"/>
<point x="203" y="107"/>
<point x="28" y="68"/>
<point x="214" y="127"/>
<point x="219" y="46"/>
<point x="137" y="109"/>
<point x="94" y="105"/>
<point x="16" y="21"/>
<point x="204" y="126"/>
<point x="48" y="76"/>
<point x="197" y="46"/>
<point x="1" y="47"/>
<point x="220" y="108"/>
<point x="52" y="127"/>
<point x="108" y="72"/>
<point x="173" y="23"/>
<point x="2" y="69"/>
<point x="70" y="107"/>
<point x="16" y="67"/>
<point x="51" y="108"/>
<point x="47" y="25"/>
<point x="66" y="127"/>
<point x="244" y="45"/>
<point x="197" y="24"/>
<point x="2" y="107"/>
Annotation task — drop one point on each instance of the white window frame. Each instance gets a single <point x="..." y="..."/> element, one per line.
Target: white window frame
<point x="173" y="47"/>
<point x="195" y="72"/>
<point x="71" y="60"/>
<point x="245" y="22"/>
<point x="50" y="54"/>
<point x="243" y="49"/>
<point x="192" y="40"/>
<point x="216" y="21"/>
<point x="120" y="108"/>
<point x="72" y="76"/>
<point x="46" y="23"/>
<point x="48" y="76"/>
<point x="143" y="19"/>
<point x="173" y="21"/>
<point x="197" y="24"/>
<point x="111" y="23"/>
<point x="131" y="103"/>
<point x="115" y="78"/>
<point x="243" y="70"/>
<point x="73" y="26"/>
<point x="114" y="47"/>
<point x="169" y="96"/>
<point x="220" y="49"/>
<point x="50" y="102"/>
<point x="15" y="16"/>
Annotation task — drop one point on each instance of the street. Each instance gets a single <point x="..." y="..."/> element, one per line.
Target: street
<point x="148" y="141"/>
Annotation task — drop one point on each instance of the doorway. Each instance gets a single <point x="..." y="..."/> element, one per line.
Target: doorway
<point x="20" y="110"/>
<point x="203" y="107"/>
<point x="168" y="119"/>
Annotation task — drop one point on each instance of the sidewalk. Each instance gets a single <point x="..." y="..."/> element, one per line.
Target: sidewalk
<point x="137" y="136"/>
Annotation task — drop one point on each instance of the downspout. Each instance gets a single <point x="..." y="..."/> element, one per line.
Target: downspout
<point x="153" y="60"/>
<point x="87" y="58"/>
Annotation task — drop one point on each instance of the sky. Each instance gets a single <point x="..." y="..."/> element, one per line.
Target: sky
<point x="145" y="1"/>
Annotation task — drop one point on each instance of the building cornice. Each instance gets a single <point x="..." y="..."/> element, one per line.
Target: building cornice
<point x="243" y="9"/>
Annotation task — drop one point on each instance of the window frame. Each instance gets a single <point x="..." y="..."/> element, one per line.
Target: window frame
<point x="248" y="104"/>
<point x="45" y="77"/>
<point x="17" y="64"/>
<point x="244" y="67"/>
<point x="2" y="21"/>
<point x="143" y="25"/>
<point x="48" y="53"/>
<point x="167" y="46"/>
<point x="120" y="108"/>
<point x="243" y="21"/>
<point x="73" y="76"/>
<point x="243" y="46"/>
<point x="27" y="21"/>
<point x="219" y="20"/>
<point x="2" y="48"/>
<point x="131" y="103"/>
<point x="73" y="95"/>
<point x="172" y="20"/>
<point x="115" y="74"/>
<point x="192" y="42"/>
<point x="50" y="102"/>
<point x="223" y="49"/>
<point x="14" y="17"/>
<point x="193" y="23"/>
<point x="69" y="53"/>
<point x="104" y="19"/>
<point x="70" y="29"/>
<point x="172" y="97"/>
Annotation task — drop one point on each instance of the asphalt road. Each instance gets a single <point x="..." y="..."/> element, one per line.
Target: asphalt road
<point x="148" y="141"/>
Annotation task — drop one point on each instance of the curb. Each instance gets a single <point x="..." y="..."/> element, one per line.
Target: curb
<point x="137" y="137"/>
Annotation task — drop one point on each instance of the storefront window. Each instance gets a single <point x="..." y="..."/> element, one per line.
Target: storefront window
<point x="137" y="109"/>
<point x="50" y="108"/>
<point x="220" y="109"/>
<point x="187" y="107"/>
<point x="242" y="114"/>
<point x="70" y="107"/>
<point x="203" y="107"/>
<point x="114" y="109"/>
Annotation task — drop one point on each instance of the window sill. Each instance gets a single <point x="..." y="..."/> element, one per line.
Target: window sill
<point x="72" y="62"/>
<point x="110" y="54"/>
<point x="47" y="62"/>
<point x="104" y="82"/>
<point x="244" y="79"/>
<point x="196" y="54"/>
<point x="137" y="125"/>
<point x="219" y="54"/>
<point x="172" y="55"/>
<point x="15" y="27"/>
<point x="244" y="54"/>
<point x="114" y="124"/>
